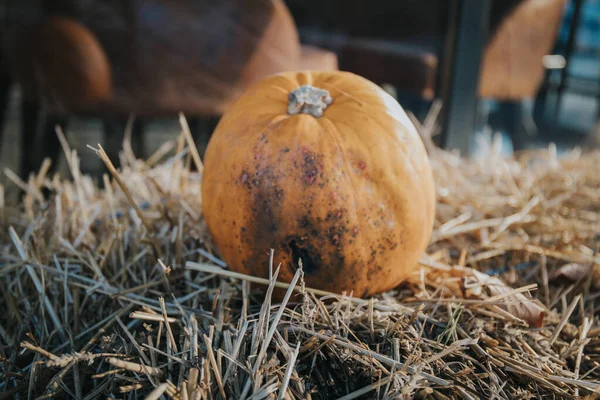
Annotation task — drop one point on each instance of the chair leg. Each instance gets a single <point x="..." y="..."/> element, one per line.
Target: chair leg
<point x="50" y="144"/>
<point x="509" y="119"/>
<point x="113" y="139"/>
<point x="30" y="113"/>
<point x="540" y="104"/>
<point x="34" y="150"/>
<point x="137" y="138"/>
<point x="5" y="86"/>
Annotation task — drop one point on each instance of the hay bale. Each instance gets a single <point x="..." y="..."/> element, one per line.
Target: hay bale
<point x="118" y="290"/>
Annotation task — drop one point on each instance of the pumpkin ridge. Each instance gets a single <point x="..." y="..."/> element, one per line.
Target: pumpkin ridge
<point x="334" y="134"/>
<point x="344" y="94"/>
<point x="265" y="124"/>
<point x="347" y="161"/>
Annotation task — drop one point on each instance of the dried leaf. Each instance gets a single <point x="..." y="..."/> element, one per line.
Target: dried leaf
<point x="572" y="272"/>
<point x="472" y="284"/>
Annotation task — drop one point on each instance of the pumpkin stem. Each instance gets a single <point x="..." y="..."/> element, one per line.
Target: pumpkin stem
<point x="309" y="100"/>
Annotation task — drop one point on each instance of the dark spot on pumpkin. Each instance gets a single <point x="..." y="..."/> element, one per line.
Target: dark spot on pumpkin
<point x="362" y="165"/>
<point x="335" y="239"/>
<point x="311" y="164"/>
<point x="373" y="272"/>
<point x="311" y="176"/>
<point x="286" y="150"/>
<point x="373" y="254"/>
<point x="279" y="193"/>
<point x="299" y="253"/>
<point x="243" y="229"/>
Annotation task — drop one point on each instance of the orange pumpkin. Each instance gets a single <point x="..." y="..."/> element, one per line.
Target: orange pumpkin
<point x="325" y="167"/>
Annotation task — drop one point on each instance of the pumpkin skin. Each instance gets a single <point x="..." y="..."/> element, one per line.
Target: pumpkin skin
<point x="351" y="192"/>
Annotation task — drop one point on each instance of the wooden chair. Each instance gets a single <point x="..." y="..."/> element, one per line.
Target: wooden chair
<point x="5" y="86"/>
<point x="404" y="43"/>
<point x="150" y="58"/>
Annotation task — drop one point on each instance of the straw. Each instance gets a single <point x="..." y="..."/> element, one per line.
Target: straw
<point x="120" y="290"/>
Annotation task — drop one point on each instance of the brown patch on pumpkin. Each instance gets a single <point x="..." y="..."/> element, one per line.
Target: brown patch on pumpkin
<point x="245" y="179"/>
<point x="391" y="241"/>
<point x="278" y="193"/>
<point x="319" y="241"/>
<point x="335" y="239"/>
<point x="311" y="165"/>
<point x="299" y="250"/>
<point x="374" y="272"/>
<point x="312" y="241"/>
<point x="264" y="210"/>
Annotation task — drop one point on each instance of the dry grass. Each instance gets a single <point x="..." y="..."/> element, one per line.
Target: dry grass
<point x="117" y="293"/>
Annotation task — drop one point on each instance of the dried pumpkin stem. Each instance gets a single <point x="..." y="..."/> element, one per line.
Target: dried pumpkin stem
<point x="309" y="100"/>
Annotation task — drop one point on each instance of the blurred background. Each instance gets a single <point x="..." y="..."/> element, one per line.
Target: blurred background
<point x="527" y="69"/>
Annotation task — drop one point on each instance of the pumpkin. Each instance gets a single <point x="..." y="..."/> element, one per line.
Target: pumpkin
<point x="323" y="167"/>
